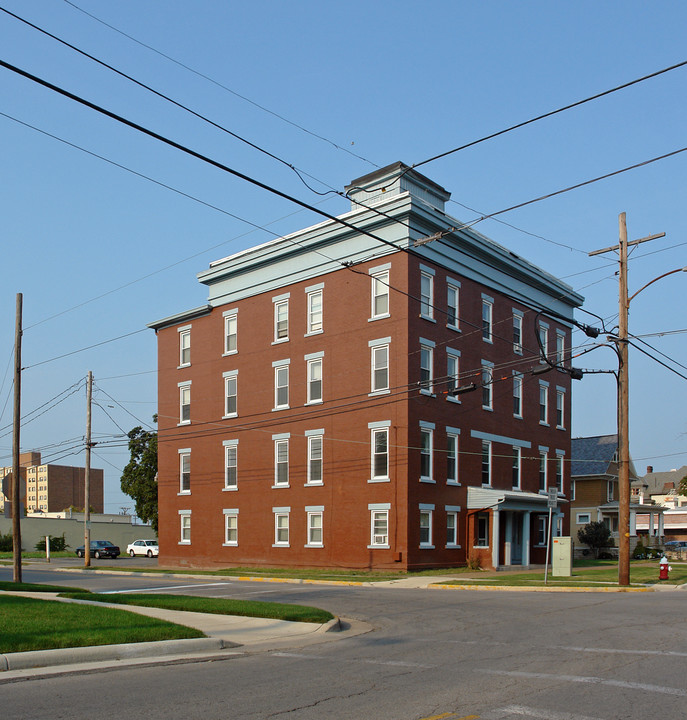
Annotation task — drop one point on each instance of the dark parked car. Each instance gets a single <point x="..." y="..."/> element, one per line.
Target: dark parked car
<point x="676" y="545"/>
<point x="100" y="548"/>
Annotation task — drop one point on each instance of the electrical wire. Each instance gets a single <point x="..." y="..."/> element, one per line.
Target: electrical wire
<point x="655" y="359"/>
<point x="220" y="85"/>
<point x="553" y="112"/>
<point x="667" y="357"/>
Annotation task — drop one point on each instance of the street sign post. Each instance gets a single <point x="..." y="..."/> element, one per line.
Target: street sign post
<point x="552" y="503"/>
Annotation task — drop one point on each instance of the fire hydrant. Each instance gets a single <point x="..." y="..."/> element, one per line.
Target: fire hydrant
<point x="663" y="569"/>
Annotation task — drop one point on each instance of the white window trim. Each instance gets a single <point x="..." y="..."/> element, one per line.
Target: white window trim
<point x="427" y="429"/>
<point x="378" y="345"/>
<point x="310" y="362"/>
<point x="229" y="375"/>
<point x="488" y="302"/>
<point x="310" y="436"/>
<point x="310" y="293"/>
<point x="428" y="508"/>
<point x="278" y="301"/>
<point x="517" y="347"/>
<point x="282" y="512"/>
<point x="455" y="511"/>
<point x="376" y="274"/>
<point x="229" y="315"/>
<point x="313" y="511"/>
<point x="543" y="332"/>
<point x="560" y="347"/>
<point x="374" y="428"/>
<point x="453" y="355"/>
<point x="560" y="393"/>
<point x="452" y="284"/>
<point x="518" y="381"/>
<point x="454" y="433"/>
<point x="278" y="365"/>
<point x="429" y="346"/>
<point x="544" y="386"/>
<point x="579" y="518"/>
<point x="278" y="440"/>
<point x="488" y="369"/>
<point x="517" y="452"/>
<point x="230" y="444"/>
<point x="428" y="274"/>
<point x="184" y="331"/>
<point x="383" y="508"/>
<point x="183" y="452"/>
<point x="184" y="514"/>
<point x="231" y="512"/>
<point x="186" y="384"/>
<point x="490" y="452"/>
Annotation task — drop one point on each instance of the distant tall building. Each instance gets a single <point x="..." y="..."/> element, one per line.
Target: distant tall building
<point x="51" y="488"/>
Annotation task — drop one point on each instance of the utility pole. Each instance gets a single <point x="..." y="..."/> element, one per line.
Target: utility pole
<point x="623" y="399"/>
<point x="16" y="478"/>
<point x="87" y="475"/>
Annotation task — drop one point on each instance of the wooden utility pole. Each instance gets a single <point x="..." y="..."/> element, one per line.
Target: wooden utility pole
<point x="87" y="475"/>
<point x="624" y="399"/>
<point x="16" y="477"/>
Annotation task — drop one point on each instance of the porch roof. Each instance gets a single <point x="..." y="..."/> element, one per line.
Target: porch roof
<point x="480" y="498"/>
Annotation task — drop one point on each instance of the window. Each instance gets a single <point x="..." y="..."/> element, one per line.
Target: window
<point x="281" y="318"/>
<point x="230" y="393"/>
<point x="452" y="373"/>
<point x="184" y="346"/>
<point x="315" y="458"/>
<point x="452" y="304"/>
<point x="231" y="527"/>
<point x="543" y="403"/>
<point x="185" y="530"/>
<point x="542" y="530"/>
<point x="379" y="365"/>
<point x="230" y="464"/>
<point x="314" y="370"/>
<point x="281" y="384"/>
<point x="583" y="518"/>
<point x="559" y="473"/>
<point x="426" y="512"/>
<point x="517" y="464"/>
<point x="185" y="471"/>
<point x="609" y="491"/>
<point x="517" y="395"/>
<point x="281" y="461"/>
<point x="517" y="332"/>
<point x="452" y="526"/>
<point x="314" y="324"/>
<point x="230" y="332"/>
<point x="560" y="347"/>
<point x="314" y="516"/>
<point x="380" y="454"/>
<point x="426" y="366"/>
<point x="486" y="462"/>
<point x="380" y="293"/>
<point x="379" y="524"/>
<point x="281" y="526"/>
<point x="543" y="458"/>
<point x="560" y="408"/>
<point x="452" y="458"/>
<point x="426" y="454"/>
<point x="487" y="385"/>
<point x="427" y="294"/>
<point x="543" y="332"/>
<point x="184" y="403"/>
<point x="482" y="530"/>
<point x="487" y="318"/>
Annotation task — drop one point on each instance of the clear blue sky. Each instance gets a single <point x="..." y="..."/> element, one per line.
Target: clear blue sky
<point x="99" y="251"/>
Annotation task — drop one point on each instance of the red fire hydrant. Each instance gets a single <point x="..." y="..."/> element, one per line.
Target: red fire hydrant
<point x="663" y="569"/>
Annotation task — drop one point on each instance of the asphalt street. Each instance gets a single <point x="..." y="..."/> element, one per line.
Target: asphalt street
<point x="432" y="653"/>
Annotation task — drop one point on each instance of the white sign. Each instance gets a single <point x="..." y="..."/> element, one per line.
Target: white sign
<point x="553" y="498"/>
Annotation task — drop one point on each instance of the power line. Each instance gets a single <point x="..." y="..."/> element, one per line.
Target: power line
<point x="552" y="112"/>
<point x="223" y="87"/>
<point x="655" y="359"/>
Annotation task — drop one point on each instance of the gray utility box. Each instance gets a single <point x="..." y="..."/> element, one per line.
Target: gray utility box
<point x="561" y="557"/>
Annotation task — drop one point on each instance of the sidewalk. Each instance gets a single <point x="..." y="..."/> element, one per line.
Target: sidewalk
<point x="225" y="635"/>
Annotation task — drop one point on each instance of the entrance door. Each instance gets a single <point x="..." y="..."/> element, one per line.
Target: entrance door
<point x="516" y="539"/>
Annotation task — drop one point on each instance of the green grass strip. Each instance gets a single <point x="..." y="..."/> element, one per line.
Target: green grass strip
<point x="31" y="624"/>
<point x="215" y="606"/>
<point x="30" y="587"/>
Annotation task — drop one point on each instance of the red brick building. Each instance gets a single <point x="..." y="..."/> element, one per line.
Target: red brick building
<point x="307" y="414"/>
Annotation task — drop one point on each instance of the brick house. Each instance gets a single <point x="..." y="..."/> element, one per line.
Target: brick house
<point x="308" y="414"/>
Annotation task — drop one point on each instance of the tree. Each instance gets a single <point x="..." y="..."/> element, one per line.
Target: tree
<point x="682" y="487"/>
<point x="595" y="535"/>
<point x="139" y="479"/>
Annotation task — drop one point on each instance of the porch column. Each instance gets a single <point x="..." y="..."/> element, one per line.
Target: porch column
<point x="526" y="538"/>
<point x="633" y="523"/>
<point x="661" y="525"/>
<point x="495" y="538"/>
<point x="508" y="545"/>
<point x="651" y="524"/>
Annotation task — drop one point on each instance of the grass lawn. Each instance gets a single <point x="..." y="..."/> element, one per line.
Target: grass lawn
<point x="602" y="573"/>
<point x="30" y="624"/>
<point x="11" y="586"/>
<point x="216" y="606"/>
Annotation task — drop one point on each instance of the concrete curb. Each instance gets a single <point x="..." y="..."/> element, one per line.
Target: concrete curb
<point x="99" y="653"/>
<point x="558" y="589"/>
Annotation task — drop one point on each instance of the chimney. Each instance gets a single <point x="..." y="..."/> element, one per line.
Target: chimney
<point x="649" y="469"/>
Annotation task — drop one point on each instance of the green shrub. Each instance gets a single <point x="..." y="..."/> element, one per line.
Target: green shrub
<point x="6" y="543"/>
<point x="57" y="544"/>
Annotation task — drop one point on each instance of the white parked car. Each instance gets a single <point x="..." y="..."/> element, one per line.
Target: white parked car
<point x="143" y="547"/>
